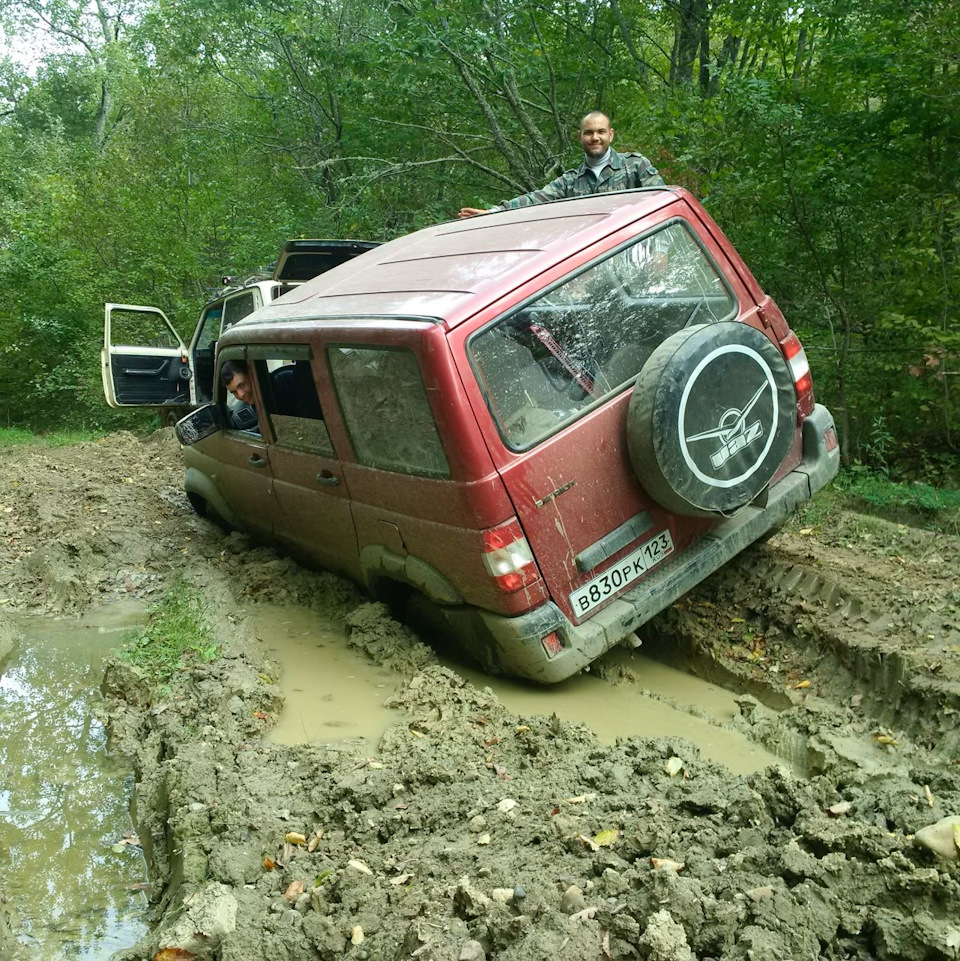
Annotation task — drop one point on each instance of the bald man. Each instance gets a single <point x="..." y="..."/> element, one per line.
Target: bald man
<point x="602" y="170"/>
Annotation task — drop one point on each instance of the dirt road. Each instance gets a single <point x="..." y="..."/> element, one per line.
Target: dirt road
<point x="471" y="833"/>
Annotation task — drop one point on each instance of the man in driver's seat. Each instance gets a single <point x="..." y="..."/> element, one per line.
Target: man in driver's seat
<point x="235" y="377"/>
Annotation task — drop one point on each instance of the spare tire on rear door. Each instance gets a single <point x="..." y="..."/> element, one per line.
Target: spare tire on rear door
<point x="712" y="416"/>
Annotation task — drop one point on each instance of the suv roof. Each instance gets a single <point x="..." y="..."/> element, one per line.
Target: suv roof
<point x="443" y="271"/>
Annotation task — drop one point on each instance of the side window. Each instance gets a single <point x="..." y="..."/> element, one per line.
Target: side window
<point x="236" y="308"/>
<point x="386" y="410"/>
<point x="210" y="326"/>
<point x="589" y="336"/>
<point x="141" y="328"/>
<point x="291" y="403"/>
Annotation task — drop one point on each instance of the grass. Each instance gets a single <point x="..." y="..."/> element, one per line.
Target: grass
<point x="18" y="436"/>
<point x="866" y="491"/>
<point x="175" y="634"/>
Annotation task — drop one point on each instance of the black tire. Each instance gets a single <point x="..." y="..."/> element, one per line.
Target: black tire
<point x="711" y="418"/>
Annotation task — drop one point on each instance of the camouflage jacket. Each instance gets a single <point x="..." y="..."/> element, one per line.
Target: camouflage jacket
<point x="622" y="172"/>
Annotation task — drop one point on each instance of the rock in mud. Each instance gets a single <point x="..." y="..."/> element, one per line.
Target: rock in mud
<point x="943" y="838"/>
<point x="209" y="915"/>
<point x="471" y="902"/>
<point x="472" y="951"/>
<point x="665" y="940"/>
<point x="572" y="900"/>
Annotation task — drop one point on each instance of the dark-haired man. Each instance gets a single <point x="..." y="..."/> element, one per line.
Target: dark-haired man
<point x="602" y="170"/>
<point x="235" y="377"/>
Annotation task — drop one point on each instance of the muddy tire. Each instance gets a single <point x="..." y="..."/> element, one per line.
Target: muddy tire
<point x="712" y="416"/>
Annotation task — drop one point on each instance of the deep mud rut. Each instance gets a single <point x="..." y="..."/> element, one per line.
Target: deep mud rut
<point x="471" y="833"/>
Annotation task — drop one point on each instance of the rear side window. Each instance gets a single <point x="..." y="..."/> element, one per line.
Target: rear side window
<point x="584" y="339"/>
<point x="385" y="407"/>
<point x="236" y="308"/>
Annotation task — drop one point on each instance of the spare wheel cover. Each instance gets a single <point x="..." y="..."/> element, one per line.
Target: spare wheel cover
<point x="712" y="416"/>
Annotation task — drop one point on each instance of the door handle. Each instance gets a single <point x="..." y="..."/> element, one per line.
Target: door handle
<point x="255" y="460"/>
<point x="328" y="480"/>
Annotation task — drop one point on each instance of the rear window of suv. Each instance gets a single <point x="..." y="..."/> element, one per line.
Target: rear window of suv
<point x="386" y="410"/>
<point x="542" y="365"/>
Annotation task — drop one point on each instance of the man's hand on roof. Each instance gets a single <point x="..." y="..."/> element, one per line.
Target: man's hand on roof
<point x="473" y="211"/>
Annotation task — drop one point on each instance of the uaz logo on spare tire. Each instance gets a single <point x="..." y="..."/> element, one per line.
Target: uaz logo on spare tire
<point x="712" y="417"/>
<point x="732" y="446"/>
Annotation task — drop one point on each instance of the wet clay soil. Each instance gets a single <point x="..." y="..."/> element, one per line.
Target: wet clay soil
<point x="474" y="828"/>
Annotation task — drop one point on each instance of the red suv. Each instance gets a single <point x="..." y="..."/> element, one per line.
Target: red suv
<point x="544" y="424"/>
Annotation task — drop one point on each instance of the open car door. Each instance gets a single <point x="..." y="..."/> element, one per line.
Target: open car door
<point x="144" y="363"/>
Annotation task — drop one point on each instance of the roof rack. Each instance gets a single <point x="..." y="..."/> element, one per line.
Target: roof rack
<point x="230" y="284"/>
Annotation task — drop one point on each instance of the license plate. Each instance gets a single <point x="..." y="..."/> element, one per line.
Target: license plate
<point x="624" y="572"/>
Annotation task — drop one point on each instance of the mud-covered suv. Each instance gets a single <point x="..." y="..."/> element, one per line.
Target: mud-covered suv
<point x="540" y="426"/>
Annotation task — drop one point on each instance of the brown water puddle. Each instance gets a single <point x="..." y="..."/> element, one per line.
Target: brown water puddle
<point x="63" y="799"/>
<point x="333" y="693"/>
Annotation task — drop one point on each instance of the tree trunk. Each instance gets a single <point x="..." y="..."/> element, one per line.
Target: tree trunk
<point x="686" y="41"/>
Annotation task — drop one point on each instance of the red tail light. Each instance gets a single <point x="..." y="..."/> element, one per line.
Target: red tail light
<point x="796" y="358"/>
<point x="508" y="558"/>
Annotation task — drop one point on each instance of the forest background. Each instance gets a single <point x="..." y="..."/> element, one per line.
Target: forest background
<point x="148" y="147"/>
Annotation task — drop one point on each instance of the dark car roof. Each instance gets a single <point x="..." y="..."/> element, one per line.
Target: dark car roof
<point x="451" y="270"/>
<point x="300" y="260"/>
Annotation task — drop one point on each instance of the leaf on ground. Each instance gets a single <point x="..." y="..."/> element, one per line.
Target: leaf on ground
<point x="294" y="890"/>
<point x="294" y="837"/>
<point x="605" y="839"/>
<point x="174" y="954"/>
<point x="269" y="864"/>
<point x="801" y="685"/>
<point x="585" y="915"/>
<point x="589" y="842"/>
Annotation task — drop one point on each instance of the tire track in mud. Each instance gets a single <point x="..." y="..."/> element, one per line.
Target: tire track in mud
<point x="884" y="655"/>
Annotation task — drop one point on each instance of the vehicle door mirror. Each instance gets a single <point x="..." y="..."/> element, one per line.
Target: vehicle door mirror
<point x="198" y="424"/>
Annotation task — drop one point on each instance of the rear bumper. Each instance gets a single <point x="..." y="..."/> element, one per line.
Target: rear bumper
<point x="513" y="644"/>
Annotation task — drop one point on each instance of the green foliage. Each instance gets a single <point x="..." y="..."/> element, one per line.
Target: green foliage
<point x="822" y="138"/>
<point x="175" y="634"/>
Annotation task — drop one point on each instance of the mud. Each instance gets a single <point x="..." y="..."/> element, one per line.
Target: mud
<point x="471" y="832"/>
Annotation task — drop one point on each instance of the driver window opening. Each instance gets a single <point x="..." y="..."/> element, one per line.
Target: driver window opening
<point x="236" y="383"/>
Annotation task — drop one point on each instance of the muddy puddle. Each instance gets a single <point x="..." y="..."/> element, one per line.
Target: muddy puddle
<point x="331" y="692"/>
<point x="334" y="693"/>
<point x="72" y="874"/>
